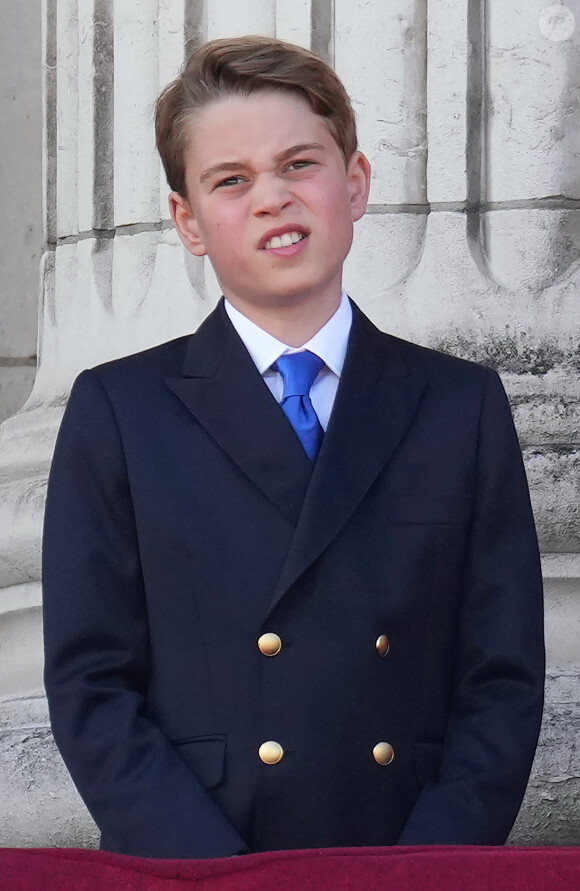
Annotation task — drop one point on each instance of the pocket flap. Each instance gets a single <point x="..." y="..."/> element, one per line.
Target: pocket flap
<point x="205" y="756"/>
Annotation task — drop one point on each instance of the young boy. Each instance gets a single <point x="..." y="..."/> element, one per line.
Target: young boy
<point x="292" y="586"/>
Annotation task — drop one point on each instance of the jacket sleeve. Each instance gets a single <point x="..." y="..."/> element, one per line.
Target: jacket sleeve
<point x="143" y="797"/>
<point x="497" y="700"/>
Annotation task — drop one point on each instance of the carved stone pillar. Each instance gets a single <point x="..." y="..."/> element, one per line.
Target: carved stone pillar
<point x="468" y="113"/>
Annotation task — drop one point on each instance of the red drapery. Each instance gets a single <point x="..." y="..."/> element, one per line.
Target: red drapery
<point x="339" y="869"/>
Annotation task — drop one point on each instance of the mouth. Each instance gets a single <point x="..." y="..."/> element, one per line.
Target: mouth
<point x="282" y="238"/>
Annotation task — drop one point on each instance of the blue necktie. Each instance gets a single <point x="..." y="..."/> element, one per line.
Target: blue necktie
<point x="299" y="371"/>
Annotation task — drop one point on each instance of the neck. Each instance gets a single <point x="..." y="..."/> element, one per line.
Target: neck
<point x="294" y="323"/>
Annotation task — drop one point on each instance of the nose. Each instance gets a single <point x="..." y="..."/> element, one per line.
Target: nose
<point x="271" y="195"/>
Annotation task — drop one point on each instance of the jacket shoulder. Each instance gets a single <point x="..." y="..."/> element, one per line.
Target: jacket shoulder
<point x="161" y="358"/>
<point x="131" y="380"/>
<point x="138" y="371"/>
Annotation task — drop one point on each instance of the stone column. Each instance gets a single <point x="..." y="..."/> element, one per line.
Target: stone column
<point x="20" y="222"/>
<point x="468" y="113"/>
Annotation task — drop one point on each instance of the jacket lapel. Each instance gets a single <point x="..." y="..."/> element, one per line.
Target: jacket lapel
<point x="223" y="389"/>
<point x="376" y="401"/>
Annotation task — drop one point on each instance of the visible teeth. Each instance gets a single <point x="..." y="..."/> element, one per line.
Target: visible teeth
<point x="284" y="241"/>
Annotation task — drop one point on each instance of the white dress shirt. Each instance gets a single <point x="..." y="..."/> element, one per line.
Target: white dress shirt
<point x="329" y="343"/>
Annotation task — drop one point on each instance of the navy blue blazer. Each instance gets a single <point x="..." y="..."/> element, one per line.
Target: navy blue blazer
<point x="184" y="520"/>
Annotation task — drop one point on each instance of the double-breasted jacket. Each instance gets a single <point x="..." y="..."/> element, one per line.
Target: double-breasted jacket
<point x="376" y="618"/>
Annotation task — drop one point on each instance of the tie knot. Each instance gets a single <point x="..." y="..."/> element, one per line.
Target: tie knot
<point x="299" y="371"/>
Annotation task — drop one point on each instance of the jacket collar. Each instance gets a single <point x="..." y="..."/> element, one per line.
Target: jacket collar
<point x="223" y="389"/>
<point x="377" y="399"/>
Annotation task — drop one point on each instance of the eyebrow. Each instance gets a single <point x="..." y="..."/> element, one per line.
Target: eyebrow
<point x="228" y="166"/>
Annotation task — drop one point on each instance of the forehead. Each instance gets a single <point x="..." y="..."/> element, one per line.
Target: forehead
<point x="252" y="129"/>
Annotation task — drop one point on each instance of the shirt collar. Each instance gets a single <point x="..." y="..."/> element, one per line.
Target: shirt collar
<point x="330" y="342"/>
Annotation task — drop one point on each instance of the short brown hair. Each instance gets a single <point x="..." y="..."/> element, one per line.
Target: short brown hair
<point x="243" y="66"/>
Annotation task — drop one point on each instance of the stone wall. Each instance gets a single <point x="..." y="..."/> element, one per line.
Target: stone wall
<point x="469" y="113"/>
<point x="20" y="182"/>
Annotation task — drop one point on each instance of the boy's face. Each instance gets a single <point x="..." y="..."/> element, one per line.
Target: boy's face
<point x="269" y="200"/>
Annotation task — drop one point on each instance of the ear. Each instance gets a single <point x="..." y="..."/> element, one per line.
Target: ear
<point x="358" y="174"/>
<point x="186" y="224"/>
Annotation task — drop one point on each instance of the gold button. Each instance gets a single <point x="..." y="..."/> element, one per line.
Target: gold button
<point x="383" y="753"/>
<point x="269" y="644"/>
<point x="271" y="752"/>
<point x="382" y="645"/>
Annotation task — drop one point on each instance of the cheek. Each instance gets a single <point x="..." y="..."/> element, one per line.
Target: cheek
<point x="335" y="206"/>
<point x="339" y="220"/>
<point x="221" y="236"/>
<point x="229" y="247"/>
<point x="230" y="225"/>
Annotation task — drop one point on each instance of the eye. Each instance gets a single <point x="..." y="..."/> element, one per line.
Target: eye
<point x="229" y="182"/>
<point x="300" y="164"/>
